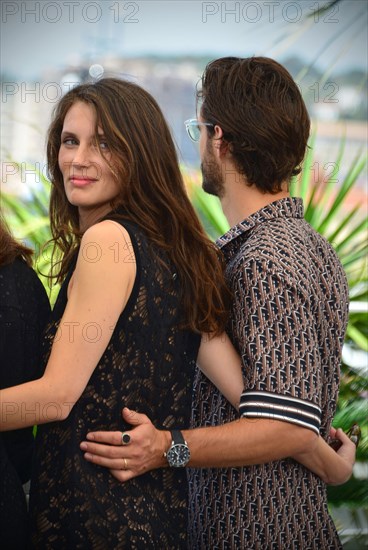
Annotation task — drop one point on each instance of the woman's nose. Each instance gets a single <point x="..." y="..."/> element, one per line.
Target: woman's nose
<point x="81" y="156"/>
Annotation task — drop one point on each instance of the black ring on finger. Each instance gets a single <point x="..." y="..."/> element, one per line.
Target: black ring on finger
<point x="125" y="438"/>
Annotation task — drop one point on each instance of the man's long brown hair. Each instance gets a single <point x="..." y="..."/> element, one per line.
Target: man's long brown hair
<point x="262" y="114"/>
<point x="10" y="248"/>
<point x="152" y="193"/>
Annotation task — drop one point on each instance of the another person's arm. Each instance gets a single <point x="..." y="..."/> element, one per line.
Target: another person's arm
<point x="219" y="361"/>
<point x="97" y="295"/>
<point x="147" y="447"/>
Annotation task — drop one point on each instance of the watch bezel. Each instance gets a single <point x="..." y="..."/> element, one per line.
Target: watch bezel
<point x="178" y="454"/>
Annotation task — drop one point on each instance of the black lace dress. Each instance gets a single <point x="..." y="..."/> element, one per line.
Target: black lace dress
<point x="24" y="311"/>
<point x="148" y="366"/>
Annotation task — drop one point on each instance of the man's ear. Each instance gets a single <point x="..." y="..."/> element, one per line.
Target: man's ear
<point x="220" y="145"/>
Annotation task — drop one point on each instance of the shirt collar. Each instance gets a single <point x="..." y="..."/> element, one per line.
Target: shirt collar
<point x="289" y="207"/>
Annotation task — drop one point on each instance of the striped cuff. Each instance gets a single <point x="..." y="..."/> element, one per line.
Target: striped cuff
<point x="262" y="404"/>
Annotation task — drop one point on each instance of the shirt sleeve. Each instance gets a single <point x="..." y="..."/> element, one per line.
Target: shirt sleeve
<point x="255" y="404"/>
<point x="277" y="339"/>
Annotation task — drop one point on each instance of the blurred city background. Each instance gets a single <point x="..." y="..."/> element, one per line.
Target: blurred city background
<point x="164" y="46"/>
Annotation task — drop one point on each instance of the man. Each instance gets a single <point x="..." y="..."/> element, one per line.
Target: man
<point x="288" y="321"/>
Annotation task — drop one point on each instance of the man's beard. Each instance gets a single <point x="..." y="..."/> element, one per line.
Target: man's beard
<point x="212" y="181"/>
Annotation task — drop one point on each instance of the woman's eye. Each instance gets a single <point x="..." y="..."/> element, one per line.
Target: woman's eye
<point x="104" y="145"/>
<point x="69" y="141"/>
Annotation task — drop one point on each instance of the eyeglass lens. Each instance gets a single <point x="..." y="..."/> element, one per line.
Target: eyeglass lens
<point x="195" y="132"/>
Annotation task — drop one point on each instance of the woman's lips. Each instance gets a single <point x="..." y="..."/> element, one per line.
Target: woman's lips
<point x="82" y="181"/>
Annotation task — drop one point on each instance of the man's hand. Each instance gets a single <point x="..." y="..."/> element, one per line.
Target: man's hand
<point x="334" y="468"/>
<point x="347" y="453"/>
<point x="144" y="452"/>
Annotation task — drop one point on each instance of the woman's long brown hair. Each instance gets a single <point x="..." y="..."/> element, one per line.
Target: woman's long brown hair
<point x="10" y="248"/>
<point x="152" y="193"/>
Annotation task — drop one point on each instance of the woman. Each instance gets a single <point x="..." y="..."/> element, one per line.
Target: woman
<point x="24" y="310"/>
<point x="141" y="282"/>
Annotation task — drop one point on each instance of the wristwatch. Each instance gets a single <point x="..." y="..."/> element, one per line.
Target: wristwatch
<point x="178" y="454"/>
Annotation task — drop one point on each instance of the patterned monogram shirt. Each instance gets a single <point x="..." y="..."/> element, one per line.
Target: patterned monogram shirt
<point x="288" y="322"/>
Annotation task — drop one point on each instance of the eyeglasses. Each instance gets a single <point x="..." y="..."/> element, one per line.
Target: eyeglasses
<point x="192" y="127"/>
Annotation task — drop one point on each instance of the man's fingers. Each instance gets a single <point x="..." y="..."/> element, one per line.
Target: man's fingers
<point x="111" y="463"/>
<point x="341" y="435"/>
<point x="119" y="467"/>
<point x="344" y="438"/>
<point x="109" y="451"/>
<point x="111" y="438"/>
<point x="134" y="418"/>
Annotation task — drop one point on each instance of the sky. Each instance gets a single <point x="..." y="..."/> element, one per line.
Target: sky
<point x="40" y="35"/>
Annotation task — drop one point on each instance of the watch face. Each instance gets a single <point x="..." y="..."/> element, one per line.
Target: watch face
<point x="178" y="455"/>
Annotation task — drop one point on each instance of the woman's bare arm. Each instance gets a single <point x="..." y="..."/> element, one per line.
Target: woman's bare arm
<point x="97" y="295"/>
